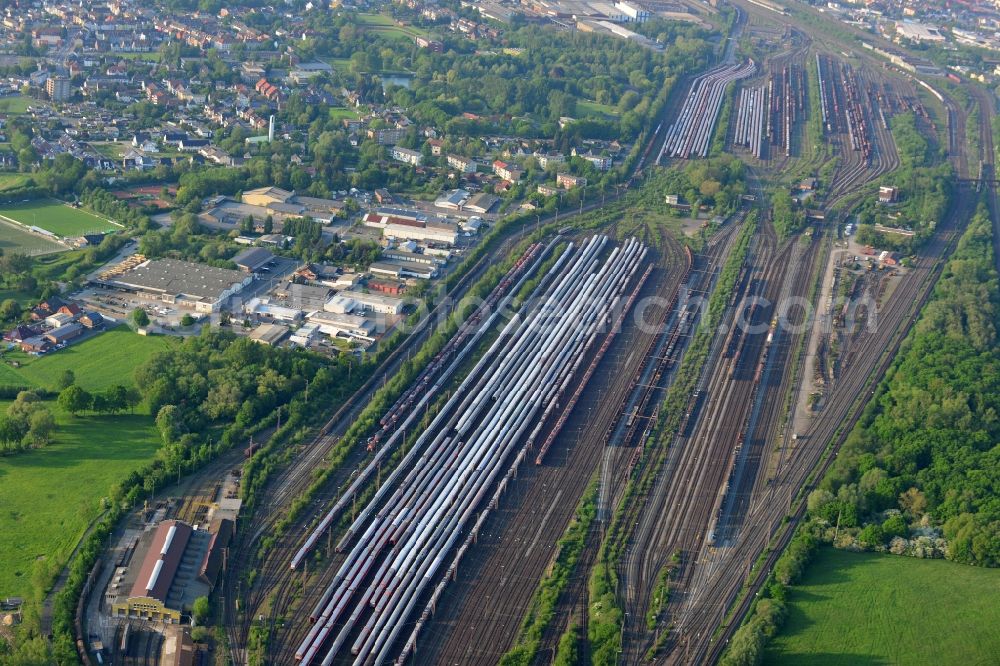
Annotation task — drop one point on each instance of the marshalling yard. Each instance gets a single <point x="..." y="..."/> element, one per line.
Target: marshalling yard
<point x="427" y="544"/>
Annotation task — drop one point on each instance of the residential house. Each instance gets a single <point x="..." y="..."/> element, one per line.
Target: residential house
<point x="463" y="164"/>
<point x="413" y="157"/>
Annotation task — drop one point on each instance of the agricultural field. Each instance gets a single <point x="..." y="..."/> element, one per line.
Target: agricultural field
<point x="98" y="363"/>
<point x="50" y="495"/>
<point x="864" y="608"/>
<point x="56" y="217"/>
<point x="15" y="239"/>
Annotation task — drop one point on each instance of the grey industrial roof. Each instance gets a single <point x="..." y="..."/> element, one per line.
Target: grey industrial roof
<point x="170" y="276"/>
<point x="269" y="333"/>
<point x="252" y="258"/>
<point x="481" y="202"/>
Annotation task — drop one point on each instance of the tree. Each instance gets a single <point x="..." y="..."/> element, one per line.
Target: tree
<point x="871" y="535"/>
<point x="120" y="397"/>
<point x="201" y="609"/>
<point x="74" y="399"/>
<point x="40" y="428"/>
<point x="12" y="431"/>
<point x="187" y="320"/>
<point x="170" y="422"/>
<point x="140" y="318"/>
<point x="10" y="310"/>
<point x="66" y="379"/>
<point x="14" y="263"/>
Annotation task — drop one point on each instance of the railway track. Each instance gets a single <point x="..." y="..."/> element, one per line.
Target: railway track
<point x="688" y="492"/>
<point x="477" y="621"/>
<point x="272" y="578"/>
<point x="429" y="510"/>
<point x="806" y="460"/>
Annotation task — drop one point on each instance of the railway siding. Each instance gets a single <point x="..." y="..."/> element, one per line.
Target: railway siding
<point x="400" y="550"/>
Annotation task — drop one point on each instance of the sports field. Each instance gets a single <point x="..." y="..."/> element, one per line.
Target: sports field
<point x="17" y="239"/>
<point x="49" y="496"/>
<point x="97" y="363"/>
<point x="866" y="608"/>
<point x="56" y="217"/>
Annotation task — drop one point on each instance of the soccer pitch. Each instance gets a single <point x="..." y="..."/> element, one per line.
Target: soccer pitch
<point x="57" y="217"/>
<point x="17" y="239"/>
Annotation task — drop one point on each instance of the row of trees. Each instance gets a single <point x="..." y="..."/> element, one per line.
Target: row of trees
<point x="114" y="400"/>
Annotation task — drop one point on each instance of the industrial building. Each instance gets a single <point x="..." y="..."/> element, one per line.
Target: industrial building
<point x="335" y="323"/>
<point x="413" y="257"/>
<point x="406" y="225"/>
<point x="481" y="202"/>
<point x="273" y="202"/>
<point x="171" y="565"/>
<point x="178" y="648"/>
<point x="262" y="307"/>
<point x="269" y="334"/>
<point x="347" y="302"/>
<point x="919" y="32"/>
<point x="197" y="286"/>
<point x="453" y="199"/>
<point x="252" y="259"/>
<point x="401" y="269"/>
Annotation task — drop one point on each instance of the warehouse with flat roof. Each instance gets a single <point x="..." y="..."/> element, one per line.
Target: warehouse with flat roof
<point x="201" y="287"/>
<point x="252" y="259"/>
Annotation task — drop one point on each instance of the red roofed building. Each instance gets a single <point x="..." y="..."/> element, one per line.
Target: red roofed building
<point x="173" y="565"/>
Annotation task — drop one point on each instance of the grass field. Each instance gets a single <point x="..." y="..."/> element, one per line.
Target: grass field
<point x="397" y="33"/>
<point x="374" y="19"/>
<point x="56" y="217"/>
<point x="17" y="105"/>
<point x="586" y="108"/>
<point x="864" y="608"/>
<point x="15" y="239"/>
<point x="339" y="113"/>
<point x="384" y="25"/>
<point x="98" y="363"/>
<point x="49" y="496"/>
<point x="12" y="181"/>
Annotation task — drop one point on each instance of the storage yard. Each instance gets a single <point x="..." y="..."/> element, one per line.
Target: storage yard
<point x="691" y="134"/>
<point x="469" y="452"/>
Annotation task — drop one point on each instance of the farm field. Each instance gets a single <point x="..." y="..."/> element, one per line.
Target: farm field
<point x="98" y="363"/>
<point x="56" y="217"/>
<point x="866" y="608"/>
<point x="15" y="239"/>
<point x="49" y="496"/>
